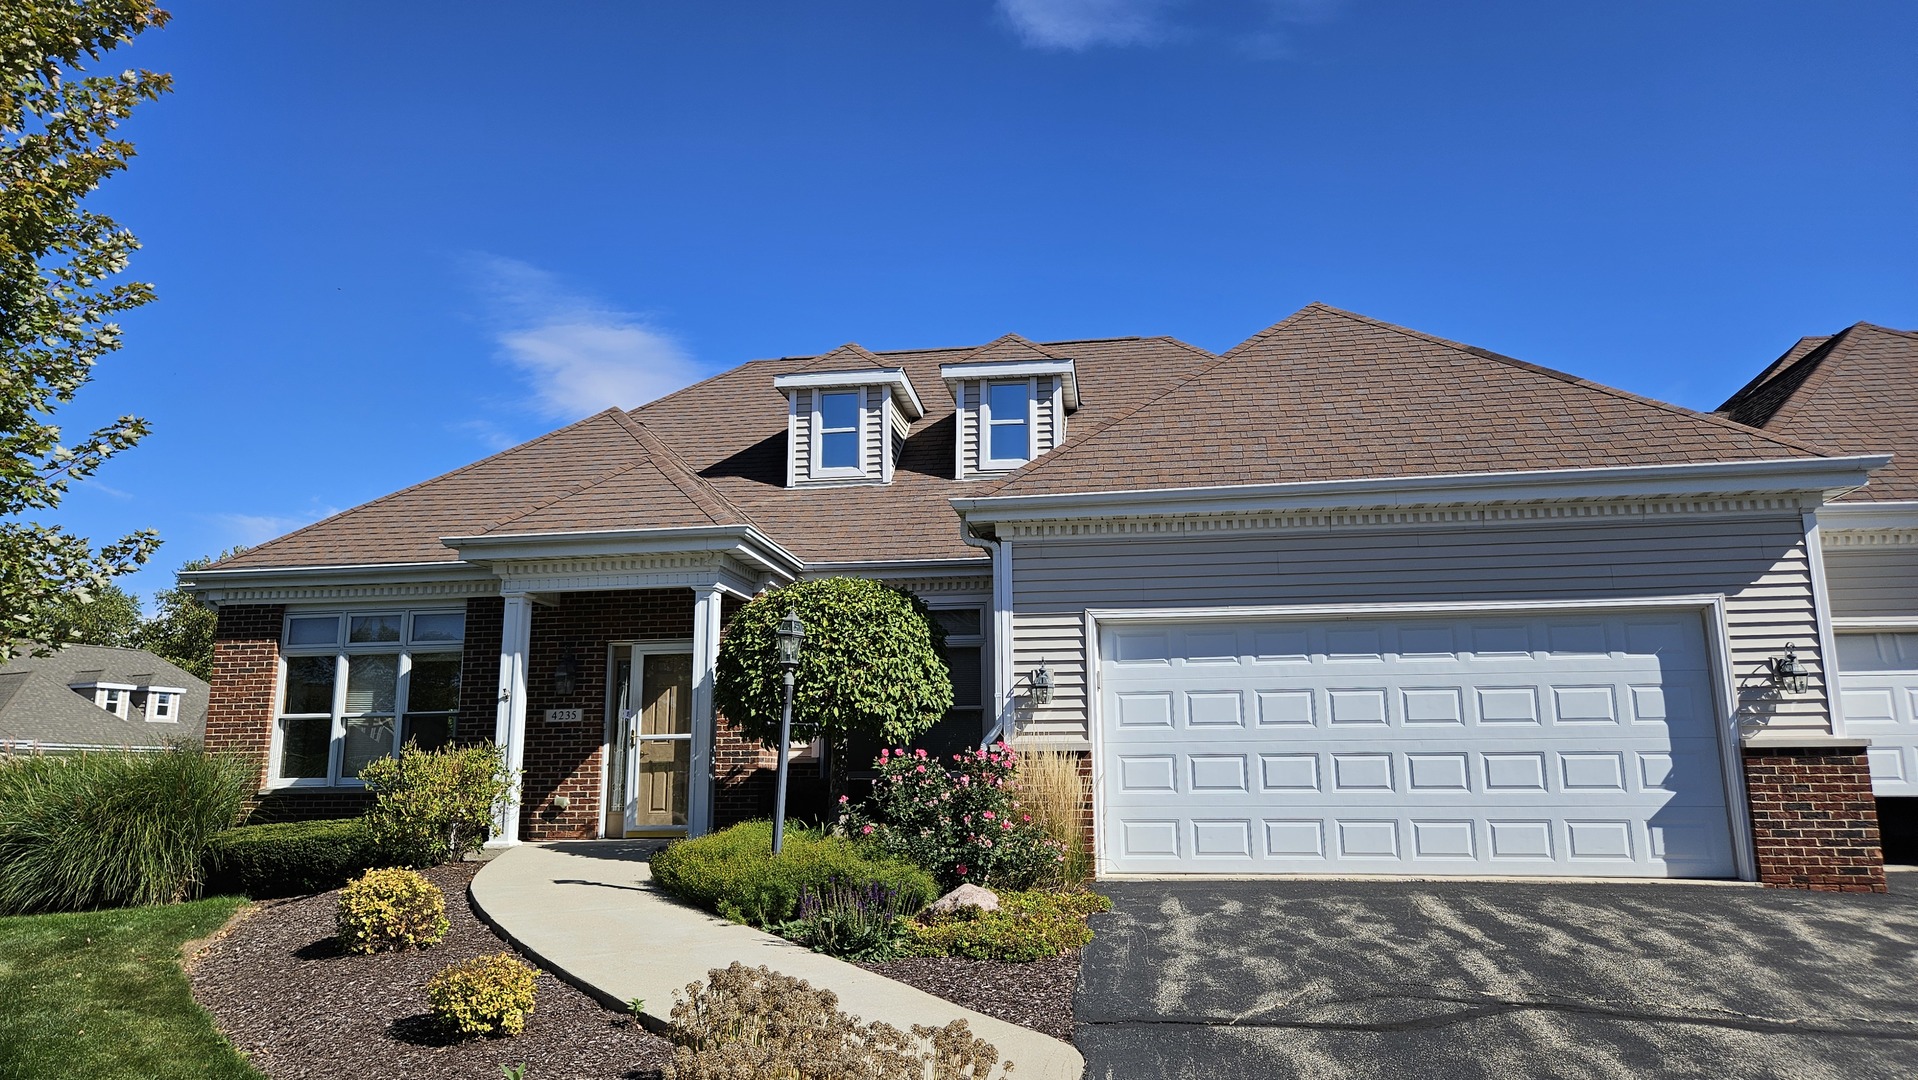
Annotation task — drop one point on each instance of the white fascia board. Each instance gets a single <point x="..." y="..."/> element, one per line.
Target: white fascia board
<point x="1827" y="476"/>
<point x="164" y="689"/>
<point x="954" y="374"/>
<point x="743" y="540"/>
<point x="102" y="685"/>
<point x="1868" y="515"/>
<point x="893" y="377"/>
<point x="340" y="574"/>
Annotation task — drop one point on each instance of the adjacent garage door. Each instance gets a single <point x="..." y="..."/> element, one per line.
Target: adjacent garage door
<point x="1878" y="685"/>
<point x="1563" y="744"/>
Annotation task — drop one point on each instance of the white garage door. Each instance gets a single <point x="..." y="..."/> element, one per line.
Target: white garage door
<point x="1564" y="744"/>
<point x="1878" y="684"/>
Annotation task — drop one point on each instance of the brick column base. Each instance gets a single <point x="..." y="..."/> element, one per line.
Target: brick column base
<point x="1814" y="822"/>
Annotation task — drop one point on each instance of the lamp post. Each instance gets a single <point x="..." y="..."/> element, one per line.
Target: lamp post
<point x="791" y="632"/>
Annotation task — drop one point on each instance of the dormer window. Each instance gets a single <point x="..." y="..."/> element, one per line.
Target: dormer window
<point x="163" y="705"/>
<point x="1008" y="412"/>
<point x="112" y="699"/>
<point x="846" y="426"/>
<point x="837" y="421"/>
<point x="1008" y="423"/>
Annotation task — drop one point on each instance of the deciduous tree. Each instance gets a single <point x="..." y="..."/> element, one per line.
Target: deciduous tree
<point x="58" y="293"/>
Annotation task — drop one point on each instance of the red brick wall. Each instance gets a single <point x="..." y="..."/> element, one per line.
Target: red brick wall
<point x="1814" y="823"/>
<point x="479" y="670"/>
<point x="564" y="759"/>
<point x="246" y="673"/>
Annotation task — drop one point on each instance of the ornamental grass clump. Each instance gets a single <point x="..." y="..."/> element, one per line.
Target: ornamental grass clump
<point x="487" y="995"/>
<point x="392" y="909"/>
<point x="960" y="819"/>
<point x="755" y="1024"/>
<point x="112" y="829"/>
<point x="1049" y="785"/>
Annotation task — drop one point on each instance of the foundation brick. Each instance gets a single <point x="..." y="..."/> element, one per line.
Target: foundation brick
<point x="1814" y="822"/>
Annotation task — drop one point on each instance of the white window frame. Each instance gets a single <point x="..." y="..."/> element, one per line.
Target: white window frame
<point x="342" y="651"/>
<point x="988" y="463"/>
<point x="163" y="707"/>
<point x="820" y="431"/>
<point x="117" y="700"/>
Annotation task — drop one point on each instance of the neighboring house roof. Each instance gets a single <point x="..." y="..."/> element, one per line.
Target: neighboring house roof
<point x="1330" y="395"/>
<point x="1323" y="395"/>
<point x="39" y="706"/>
<point x="1857" y="389"/>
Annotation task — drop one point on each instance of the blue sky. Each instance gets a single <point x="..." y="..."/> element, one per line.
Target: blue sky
<point x="391" y="238"/>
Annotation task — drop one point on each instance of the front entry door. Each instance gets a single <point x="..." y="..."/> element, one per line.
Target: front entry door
<point x="657" y="739"/>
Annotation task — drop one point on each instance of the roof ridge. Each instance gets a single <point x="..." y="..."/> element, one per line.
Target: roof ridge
<point x="1539" y="369"/>
<point x="468" y="467"/>
<point x="1825" y="370"/>
<point x="852" y="347"/>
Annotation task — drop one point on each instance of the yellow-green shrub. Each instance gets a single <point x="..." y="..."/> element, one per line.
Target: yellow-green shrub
<point x="391" y="909"/>
<point x="1028" y="926"/>
<point x="488" y="995"/>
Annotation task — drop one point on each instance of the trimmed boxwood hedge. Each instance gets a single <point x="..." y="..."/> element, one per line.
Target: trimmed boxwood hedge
<point x="291" y="858"/>
<point x="733" y="873"/>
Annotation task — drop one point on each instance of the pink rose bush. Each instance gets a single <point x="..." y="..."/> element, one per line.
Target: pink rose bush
<point x="957" y="819"/>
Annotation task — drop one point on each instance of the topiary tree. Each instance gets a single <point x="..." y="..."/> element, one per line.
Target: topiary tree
<point x="871" y="665"/>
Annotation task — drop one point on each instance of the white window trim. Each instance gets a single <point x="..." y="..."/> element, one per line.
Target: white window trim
<point x="157" y="698"/>
<point x="342" y="651"/>
<point x="988" y="463"/>
<point x="818" y="470"/>
<point x="116" y="699"/>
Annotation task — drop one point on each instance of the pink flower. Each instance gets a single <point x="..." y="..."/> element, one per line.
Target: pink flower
<point x="920" y="768"/>
<point x="964" y="781"/>
<point x="990" y="815"/>
<point x="961" y="868"/>
<point x="1006" y="825"/>
<point x="844" y="799"/>
<point x="1023" y="817"/>
<point x="884" y="754"/>
<point x="986" y="843"/>
<point x="919" y="754"/>
<point x="865" y="830"/>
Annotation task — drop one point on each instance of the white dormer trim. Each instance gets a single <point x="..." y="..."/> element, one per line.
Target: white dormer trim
<point x="828" y="380"/>
<point x="954" y="375"/>
<point x="817" y="469"/>
<point x="988" y="463"/>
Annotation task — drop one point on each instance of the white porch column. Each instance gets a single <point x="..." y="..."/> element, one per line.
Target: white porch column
<point x="509" y="730"/>
<point x="706" y="623"/>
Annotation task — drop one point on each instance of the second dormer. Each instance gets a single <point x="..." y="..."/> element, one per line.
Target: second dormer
<point x="1009" y="410"/>
<point x="846" y="425"/>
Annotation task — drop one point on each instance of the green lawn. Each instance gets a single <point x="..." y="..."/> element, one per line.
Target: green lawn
<point x="101" y="996"/>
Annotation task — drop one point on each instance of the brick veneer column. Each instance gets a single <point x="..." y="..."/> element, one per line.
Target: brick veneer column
<point x="1814" y="823"/>
<point x="246" y="672"/>
<point x="565" y="759"/>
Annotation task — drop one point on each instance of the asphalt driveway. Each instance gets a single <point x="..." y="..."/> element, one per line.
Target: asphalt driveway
<point x="1231" y="980"/>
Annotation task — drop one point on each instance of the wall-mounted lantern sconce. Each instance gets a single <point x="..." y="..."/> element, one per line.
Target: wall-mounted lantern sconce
<point x="566" y="675"/>
<point x="1041" y="685"/>
<point x="1787" y="674"/>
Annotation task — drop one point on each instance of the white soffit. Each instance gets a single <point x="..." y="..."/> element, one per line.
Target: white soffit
<point x="954" y="374"/>
<point x="907" y="397"/>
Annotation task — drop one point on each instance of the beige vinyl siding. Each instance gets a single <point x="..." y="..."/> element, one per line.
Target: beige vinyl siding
<point x="1758" y="563"/>
<point x="802" y="435"/>
<point x="1872" y="583"/>
<point x="1043" y="425"/>
<point x="968" y="429"/>
<point x="872" y="452"/>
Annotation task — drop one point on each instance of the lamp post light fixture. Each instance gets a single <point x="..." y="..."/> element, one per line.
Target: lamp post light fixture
<point x="1041" y="685"/>
<point x="1787" y="674"/>
<point x="791" y="633"/>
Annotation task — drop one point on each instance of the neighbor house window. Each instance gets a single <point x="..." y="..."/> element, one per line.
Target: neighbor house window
<point x="355" y="687"/>
<point x="162" y="706"/>
<point x="838" y="431"/>
<point x="114" y="700"/>
<point x="1008" y="424"/>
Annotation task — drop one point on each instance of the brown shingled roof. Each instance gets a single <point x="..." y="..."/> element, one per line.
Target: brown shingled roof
<point x="1330" y="395"/>
<point x="1856" y="389"/>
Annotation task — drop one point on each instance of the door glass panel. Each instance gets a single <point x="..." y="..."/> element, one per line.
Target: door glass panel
<point x="967" y="679"/>
<point x="667" y="708"/>
<point x="309" y="684"/>
<point x="616" y="775"/>
<point x="303" y="746"/>
<point x="664" y="764"/>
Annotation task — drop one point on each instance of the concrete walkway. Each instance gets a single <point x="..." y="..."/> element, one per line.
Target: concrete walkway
<point x="587" y="912"/>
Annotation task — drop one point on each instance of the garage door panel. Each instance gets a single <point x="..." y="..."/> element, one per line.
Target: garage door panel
<point x="1551" y="743"/>
<point x="1878" y="691"/>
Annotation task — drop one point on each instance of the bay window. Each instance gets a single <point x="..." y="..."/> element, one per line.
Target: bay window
<point x="355" y="687"/>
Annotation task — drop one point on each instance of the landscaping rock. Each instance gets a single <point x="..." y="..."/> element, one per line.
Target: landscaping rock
<point x="965" y="896"/>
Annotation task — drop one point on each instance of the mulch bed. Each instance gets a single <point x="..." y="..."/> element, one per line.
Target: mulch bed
<point x="298" y="1007"/>
<point x="1036" y="995"/>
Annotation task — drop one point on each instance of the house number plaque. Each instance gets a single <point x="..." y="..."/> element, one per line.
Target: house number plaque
<point x="565" y="716"/>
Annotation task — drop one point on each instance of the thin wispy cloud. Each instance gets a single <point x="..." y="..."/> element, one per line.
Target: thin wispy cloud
<point x="251" y="529"/>
<point x="577" y="354"/>
<point x="1077" y="25"/>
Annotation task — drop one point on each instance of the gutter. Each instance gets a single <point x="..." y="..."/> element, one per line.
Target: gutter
<point x="1001" y="552"/>
<point x="743" y="540"/>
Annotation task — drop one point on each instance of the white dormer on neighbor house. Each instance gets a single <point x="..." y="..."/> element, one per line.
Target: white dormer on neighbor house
<point x="847" y="424"/>
<point x="1011" y="400"/>
<point x="157" y="704"/>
